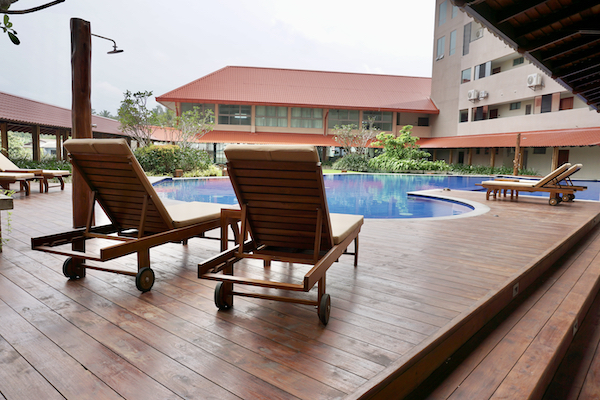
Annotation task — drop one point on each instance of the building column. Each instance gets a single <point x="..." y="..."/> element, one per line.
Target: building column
<point x="35" y="142"/>
<point x="492" y="157"/>
<point x="554" y="158"/>
<point x="470" y="158"/>
<point x="4" y="136"/>
<point x="57" y="136"/>
<point x="434" y="154"/>
<point x="451" y="154"/>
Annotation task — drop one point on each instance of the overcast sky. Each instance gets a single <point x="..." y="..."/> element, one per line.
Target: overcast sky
<point x="170" y="43"/>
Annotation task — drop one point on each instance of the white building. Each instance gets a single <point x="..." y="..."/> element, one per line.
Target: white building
<point x="487" y="93"/>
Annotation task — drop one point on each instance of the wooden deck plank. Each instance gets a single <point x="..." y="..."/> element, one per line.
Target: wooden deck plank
<point x="415" y="281"/>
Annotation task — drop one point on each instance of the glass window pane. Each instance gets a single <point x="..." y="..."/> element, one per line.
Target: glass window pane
<point x="317" y="123"/>
<point x="260" y="110"/>
<point x="282" y="111"/>
<point x="353" y="115"/>
<point x="246" y="110"/>
<point x="317" y="113"/>
<point x="260" y="121"/>
<point x="296" y="123"/>
<point x="282" y="122"/>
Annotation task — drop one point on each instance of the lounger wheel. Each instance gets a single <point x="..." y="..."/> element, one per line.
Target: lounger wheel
<point x="222" y="301"/>
<point x="144" y="280"/>
<point x="324" y="308"/>
<point x="71" y="271"/>
<point x="571" y="196"/>
<point x="553" y="201"/>
<point x="566" y="197"/>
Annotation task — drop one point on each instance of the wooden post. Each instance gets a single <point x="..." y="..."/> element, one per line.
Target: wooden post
<point x="434" y="154"/>
<point x="554" y="159"/>
<point x="35" y="142"/>
<point x="492" y="157"/>
<point x="57" y="136"/>
<point x="81" y="110"/>
<point x="4" y="137"/>
<point x="470" y="160"/>
<point x="516" y="161"/>
<point x="451" y="154"/>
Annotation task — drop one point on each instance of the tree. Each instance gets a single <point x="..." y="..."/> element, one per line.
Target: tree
<point x="135" y="118"/>
<point x="191" y="125"/>
<point x="348" y="136"/>
<point x="7" y="27"/>
<point x="104" y="113"/>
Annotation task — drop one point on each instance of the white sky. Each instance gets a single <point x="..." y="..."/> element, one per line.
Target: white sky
<point x="170" y="43"/>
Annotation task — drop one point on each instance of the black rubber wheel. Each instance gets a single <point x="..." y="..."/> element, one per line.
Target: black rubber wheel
<point x="566" y="197"/>
<point x="571" y="197"/>
<point x="324" y="308"/>
<point x="144" y="280"/>
<point x="72" y="272"/>
<point x="222" y="301"/>
<point x="553" y="201"/>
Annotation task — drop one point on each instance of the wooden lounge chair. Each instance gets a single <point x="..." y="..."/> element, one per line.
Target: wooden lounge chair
<point x="551" y="183"/>
<point x="281" y="193"/>
<point x="6" y="178"/>
<point x="138" y="218"/>
<point x="42" y="175"/>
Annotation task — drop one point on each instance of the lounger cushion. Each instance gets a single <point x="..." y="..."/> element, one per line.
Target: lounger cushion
<point x="195" y="212"/>
<point x="16" y="175"/>
<point x="57" y="172"/>
<point x="343" y="224"/>
<point x="5" y="163"/>
<point x="507" y="184"/>
<point x="271" y="153"/>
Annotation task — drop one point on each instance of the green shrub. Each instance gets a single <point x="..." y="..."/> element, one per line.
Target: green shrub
<point x="487" y="170"/>
<point x="212" y="170"/>
<point x="352" y="162"/>
<point x="388" y="164"/>
<point x="164" y="160"/>
<point x="44" y="163"/>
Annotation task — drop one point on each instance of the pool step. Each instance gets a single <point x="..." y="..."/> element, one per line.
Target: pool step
<point x="517" y="353"/>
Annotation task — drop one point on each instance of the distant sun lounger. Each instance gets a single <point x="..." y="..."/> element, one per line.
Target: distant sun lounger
<point x="557" y="183"/>
<point x="42" y="175"/>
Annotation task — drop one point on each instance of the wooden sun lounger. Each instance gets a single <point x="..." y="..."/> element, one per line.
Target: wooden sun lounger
<point x="6" y="178"/>
<point x="138" y="218"/>
<point x="42" y="175"/>
<point x="551" y="183"/>
<point x="284" y="210"/>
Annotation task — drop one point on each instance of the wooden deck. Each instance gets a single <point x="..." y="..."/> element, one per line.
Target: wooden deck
<point x="422" y="289"/>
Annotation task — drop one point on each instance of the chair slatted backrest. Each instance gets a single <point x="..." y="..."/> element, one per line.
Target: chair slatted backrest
<point x="283" y="190"/>
<point x="551" y="177"/>
<point x="110" y="169"/>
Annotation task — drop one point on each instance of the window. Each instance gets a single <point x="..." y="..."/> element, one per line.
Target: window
<point x="382" y="120"/>
<point x="343" y="117"/>
<point x="442" y="14"/>
<point x="466" y="38"/>
<point x="496" y="70"/>
<point x="527" y="109"/>
<point x="515" y="106"/>
<point x="566" y="103"/>
<point x="539" y="150"/>
<point x="423" y="121"/>
<point x="482" y="70"/>
<point x="307" y="117"/>
<point x="465" y="76"/>
<point x="493" y="113"/>
<point x="452" y="49"/>
<point x="202" y="108"/>
<point x="271" y="116"/>
<point x="479" y="113"/>
<point x="464" y="116"/>
<point x="518" y="61"/>
<point x="235" y="114"/>
<point x="441" y="43"/>
<point x="546" y="103"/>
<point x="454" y="11"/>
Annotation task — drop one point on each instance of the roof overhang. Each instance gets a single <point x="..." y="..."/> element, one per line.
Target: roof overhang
<point x="555" y="138"/>
<point x="561" y="38"/>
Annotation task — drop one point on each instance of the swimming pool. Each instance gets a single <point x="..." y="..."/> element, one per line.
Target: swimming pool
<point x="371" y="195"/>
<point x="374" y="196"/>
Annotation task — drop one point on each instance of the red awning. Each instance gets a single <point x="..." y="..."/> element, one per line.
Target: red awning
<point x="554" y="138"/>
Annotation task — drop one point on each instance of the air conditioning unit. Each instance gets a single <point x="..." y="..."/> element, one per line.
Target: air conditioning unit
<point x="479" y="33"/>
<point x="483" y="94"/>
<point x="534" y="80"/>
<point x="472" y="95"/>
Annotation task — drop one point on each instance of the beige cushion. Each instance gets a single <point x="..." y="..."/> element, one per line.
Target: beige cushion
<point x="343" y="224"/>
<point x="552" y="175"/>
<point x="57" y="172"/>
<point x="98" y="146"/>
<point x="16" y="175"/>
<point x="272" y="152"/>
<point x="195" y="212"/>
<point x="5" y="163"/>
<point x="507" y="184"/>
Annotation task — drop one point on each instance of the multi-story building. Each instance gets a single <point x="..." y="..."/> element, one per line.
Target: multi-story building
<point x="268" y="105"/>
<point x="487" y="93"/>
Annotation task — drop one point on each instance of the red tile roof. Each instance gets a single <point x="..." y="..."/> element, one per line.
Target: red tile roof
<point x="20" y="113"/>
<point x="286" y="87"/>
<point x="549" y="138"/>
<point x="253" y="138"/>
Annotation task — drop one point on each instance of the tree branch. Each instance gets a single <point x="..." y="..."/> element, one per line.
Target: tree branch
<point x="38" y="8"/>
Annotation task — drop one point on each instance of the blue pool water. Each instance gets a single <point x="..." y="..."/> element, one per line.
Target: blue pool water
<point x="374" y="196"/>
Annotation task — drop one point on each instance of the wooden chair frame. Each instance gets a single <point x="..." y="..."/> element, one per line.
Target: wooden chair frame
<point x="139" y="221"/>
<point x="256" y="184"/>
